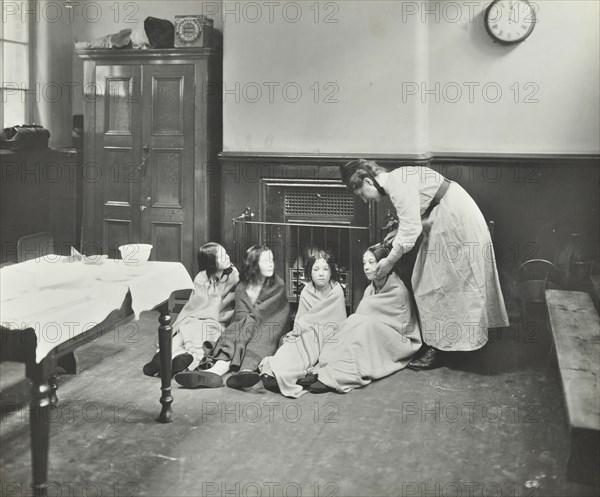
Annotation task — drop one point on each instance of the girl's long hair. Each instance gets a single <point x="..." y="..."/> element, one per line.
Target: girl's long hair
<point x="251" y="270"/>
<point x="328" y="258"/>
<point x="207" y="261"/>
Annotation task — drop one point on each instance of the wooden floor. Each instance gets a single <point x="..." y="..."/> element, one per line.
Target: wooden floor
<point x="491" y="423"/>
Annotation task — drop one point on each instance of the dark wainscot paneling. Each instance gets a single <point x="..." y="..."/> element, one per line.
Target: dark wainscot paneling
<point x="40" y="191"/>
<point x="535" y="202"/>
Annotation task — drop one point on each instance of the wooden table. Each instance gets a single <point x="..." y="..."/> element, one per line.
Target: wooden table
<point x="21" y="342"/>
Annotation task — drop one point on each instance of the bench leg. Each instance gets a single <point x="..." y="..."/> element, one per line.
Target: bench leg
<point x="584" y="457"/>
<point x="165" y="345"/>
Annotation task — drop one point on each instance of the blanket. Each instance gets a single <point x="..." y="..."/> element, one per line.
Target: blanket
<point x="210" y="300"/>
<point x="378" y="340"/>
<point x="256" y="328"/>
<point x="317" y="321"/>
<point x="204" y="316"/>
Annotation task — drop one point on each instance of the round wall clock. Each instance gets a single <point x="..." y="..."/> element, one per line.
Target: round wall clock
<point x="509" y="21"/>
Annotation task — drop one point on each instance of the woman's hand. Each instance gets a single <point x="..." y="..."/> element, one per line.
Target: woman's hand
<point x="384" y="266"/>
<point x="389" y="238"/>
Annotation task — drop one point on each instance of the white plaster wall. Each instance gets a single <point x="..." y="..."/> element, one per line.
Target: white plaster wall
<point x="541" y="96"/>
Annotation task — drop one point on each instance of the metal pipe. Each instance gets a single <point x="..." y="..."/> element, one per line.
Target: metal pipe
<point x="307" y="225"/>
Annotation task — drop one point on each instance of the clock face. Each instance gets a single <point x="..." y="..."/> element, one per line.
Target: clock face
<point x="510" y="21"/>
<point x="189" y="30"/>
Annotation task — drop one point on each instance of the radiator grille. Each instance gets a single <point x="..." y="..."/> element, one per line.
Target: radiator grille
<point x="321" y="203"/>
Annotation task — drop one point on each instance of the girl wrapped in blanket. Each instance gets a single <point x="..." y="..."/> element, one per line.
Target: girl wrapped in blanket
<point x="261" y="318"/>
<point x="321" y="310"/>
<point x="380" y="338"/>
<point x="206" y="314"/>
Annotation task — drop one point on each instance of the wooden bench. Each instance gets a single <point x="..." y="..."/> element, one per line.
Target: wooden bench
<point x="575" y="328"/>
<point x="595" y="290"/>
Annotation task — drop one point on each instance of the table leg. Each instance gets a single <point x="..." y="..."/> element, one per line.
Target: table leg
<point x="52" y="383"/>
<point x="40" y="434"/>
<point x="69" y="363"/>
<point x="165" y="344"/>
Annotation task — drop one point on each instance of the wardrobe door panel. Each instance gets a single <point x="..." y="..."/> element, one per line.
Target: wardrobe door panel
<point x="167" y="111"/>
<point x="119" y="92"/>
<point x="117" y="138"/>
<point x="118" y="191"/>
<point x="168" y="182"/>
<point x="166" y="238"/>
<point x="116" y="232"/>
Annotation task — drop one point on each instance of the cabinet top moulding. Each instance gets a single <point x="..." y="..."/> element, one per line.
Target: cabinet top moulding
<point x="47" y="152"/>
<point x="149" y="54"/>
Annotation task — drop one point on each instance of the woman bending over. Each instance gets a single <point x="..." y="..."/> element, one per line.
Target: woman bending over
<point x="458" y="296"/>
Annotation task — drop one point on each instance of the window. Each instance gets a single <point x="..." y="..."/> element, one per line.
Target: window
<point x="16" y="69"/>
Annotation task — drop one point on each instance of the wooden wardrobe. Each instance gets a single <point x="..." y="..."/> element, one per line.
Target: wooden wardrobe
<point x="152" y="132"/>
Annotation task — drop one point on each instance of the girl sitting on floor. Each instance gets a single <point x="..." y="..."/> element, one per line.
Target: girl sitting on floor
<point x="208" y="311"/>
<point x="380" y="338"/>
<point x="321" y="310"/>
<point x="261" y="318"/>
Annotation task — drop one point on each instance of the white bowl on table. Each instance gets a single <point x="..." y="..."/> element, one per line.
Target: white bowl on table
<point x="135" y="254"/>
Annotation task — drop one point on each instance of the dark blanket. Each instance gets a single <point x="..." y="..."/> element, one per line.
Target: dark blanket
<point x="256" y="328"/>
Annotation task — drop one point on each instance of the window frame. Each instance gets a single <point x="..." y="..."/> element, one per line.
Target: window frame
<point x="29" y="92"/>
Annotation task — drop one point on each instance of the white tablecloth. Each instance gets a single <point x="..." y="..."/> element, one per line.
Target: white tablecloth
<point x="59" y="299"/>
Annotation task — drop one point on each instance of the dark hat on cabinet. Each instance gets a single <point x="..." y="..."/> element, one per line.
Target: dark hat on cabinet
<point x="160" y="32"/>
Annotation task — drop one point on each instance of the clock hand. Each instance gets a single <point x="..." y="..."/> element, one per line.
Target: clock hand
<point x="512" y="15"/>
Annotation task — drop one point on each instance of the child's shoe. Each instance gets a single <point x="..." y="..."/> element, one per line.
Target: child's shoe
<point x="180" y="363"/>
<point x="270" y="383"/>
<point x="199" y="379"/>
<point x="152" y="368"/>
<point x="243" y="379"/>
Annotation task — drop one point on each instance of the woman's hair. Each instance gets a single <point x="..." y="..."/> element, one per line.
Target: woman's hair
<point x="379" y="250"/>
<point x="314" y="257"/>
<point x="207" y="261"/>
<point x="251" y="270"/>
<point x="354" y="173"/>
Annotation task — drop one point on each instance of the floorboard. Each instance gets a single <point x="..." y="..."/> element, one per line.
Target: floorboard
<point x="489" y="423"/>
